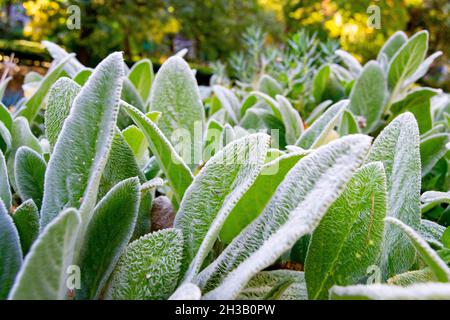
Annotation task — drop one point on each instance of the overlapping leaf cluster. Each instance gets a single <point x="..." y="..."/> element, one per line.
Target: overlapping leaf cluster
<point x="116" y="183"/>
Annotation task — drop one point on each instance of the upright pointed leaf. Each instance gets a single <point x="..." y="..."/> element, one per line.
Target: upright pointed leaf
<point x="431" y="258"/>
<point x="407" y="59"/>
<point x="33" y="104"/>
<point x="59" y="54"/>
<point x="131" y="95"/>
<point x="393" y="44"/>
<point x="291" y="118"/>
<point x="315" y="135"/>
<point x="352" y="64"/>
<point x="121" y="165"/>
<point x="29" y="171"/>
<point x="295" y="210"/>
<point x="138" y="144"/>
<point x="176" y="171"/>
<point x="21" y="136"/>
<point x="269" y="86"/>
<point x="228" y="101"/>
<point x="60" y="99"/>
<point x="26" y="219"/>
<point x="418" y="103"/>
<point x="10" y="252"/>
<point x="212" y="139"/>
<point x="44" y="271"/>
<point x="252" y="203"/>
<point x="5" y="189"/>
<point x="368" y="95"/>
<point x="141" y="75"/>
<point x="320" y="81"/>
<point x="149" y="267"/>
<point x="107" y="235"/>
<point x="432" y="149"/>
<point x="5" y="116"/>
<point x="175" y="93"/>
<point x="397" y="146"/>
<point x="80" y="154"/>
<point x="214" y="192"/>
<point x="348" y="238"/>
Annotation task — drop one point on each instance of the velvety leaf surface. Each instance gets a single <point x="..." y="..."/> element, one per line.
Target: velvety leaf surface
<point x="141" y="75"/>
<point x="317" y="133"/>
<point x="29" y="169"/>
<point x="60" y="99"/>
<point x="252" y="203"/>
<point x="26" y="219"/>
<point x="176" y="95"/>
<point x="5" y="189"/>
<point x="264" y="282"/>
<point x="397" y="146"/>
<point x="215" y="190"/>
<point x="407" y="59"/>
<point x="431" y="258"/>
<point x="107" y="235"/>
<point x="348" y="238"/>
<point x="368" y="95"/>
<point x="149" y="267"/>
<point x="43" y="274"/>
<point x="80" y="154"/>
<point x="426" y="291"/>
<point x="10" y="252"/>
<point x="176" y="171"/>
<point x="297" y="207"/>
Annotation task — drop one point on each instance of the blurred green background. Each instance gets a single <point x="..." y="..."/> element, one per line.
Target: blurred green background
<point x="213" y="29"/>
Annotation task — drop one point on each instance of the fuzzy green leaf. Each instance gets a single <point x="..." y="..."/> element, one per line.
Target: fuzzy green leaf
<point x="33" y="104"/>
<point x="418" y="103"/>
<point x="176" y="171"/>
<point x="26" y="219"/>
<point x="320" y="82"/>
<point x="368" y="95"/>
<point x="80" y="154"/>
<point x="397" y="146"/>
<point x="29" y="171"/>
<point x="256" y="198"/>
<point x="187" y="291"/>
<point x="425" y="291"/>
<point x="228" y="101"/>
<point x="291" y="118"/>
<point x="44" y="272"/>
<point x="262" y="284"/>
<point x="393" y="44"/>
<point x="214" y="192"/>
<point x="316" y="135"/>
<point x="149" y="268"/>
<point x="5" y="189"/>
<point x="176" y="95"/>
<point x="10" y="252"/>
<point x="269" y="86"/>
<point x="295" y="210"/>
<point x="107" y="235"/>
<point x="407" y="59"/>
<point x="432" y="149"/>
<point x="141" y="75"/>
<point x="21" y="136"/>
<point x="60" y="99"/>
<point x="431" y="258"/>
<point x="348" y="238"/>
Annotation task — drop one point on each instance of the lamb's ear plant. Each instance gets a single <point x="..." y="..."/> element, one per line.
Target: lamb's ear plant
<point x="310" y="161"/>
